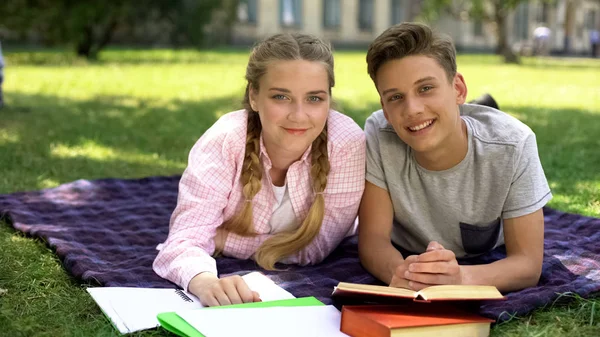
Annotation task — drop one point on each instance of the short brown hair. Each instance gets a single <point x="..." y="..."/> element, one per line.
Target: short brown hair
<point x="411" y="38"/>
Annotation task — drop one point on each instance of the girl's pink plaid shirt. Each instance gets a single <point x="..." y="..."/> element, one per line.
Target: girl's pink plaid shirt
<point x="210" y="193"/>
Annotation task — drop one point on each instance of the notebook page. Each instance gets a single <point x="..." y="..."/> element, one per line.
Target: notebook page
<point x="267" y="322"/>
<point x="267" y="289"/>
<point x="133" y="309"/>
<point x="138" y="307"/>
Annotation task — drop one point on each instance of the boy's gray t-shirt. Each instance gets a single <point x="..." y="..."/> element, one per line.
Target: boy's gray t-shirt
<point x="462" y="208"/>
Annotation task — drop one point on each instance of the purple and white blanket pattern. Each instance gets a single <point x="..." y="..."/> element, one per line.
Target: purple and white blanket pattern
<point x="106" y="232"/>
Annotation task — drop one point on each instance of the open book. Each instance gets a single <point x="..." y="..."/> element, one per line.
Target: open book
<point x="134" y="309"/>
<point x="433" y="293"/>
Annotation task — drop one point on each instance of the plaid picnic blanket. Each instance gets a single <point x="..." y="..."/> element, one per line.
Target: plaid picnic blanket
<point x="106" y="232"/>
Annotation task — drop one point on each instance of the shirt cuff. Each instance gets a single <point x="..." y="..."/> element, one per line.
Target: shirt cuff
<point x="515" y="213"/>
<point x="196" y="266"/>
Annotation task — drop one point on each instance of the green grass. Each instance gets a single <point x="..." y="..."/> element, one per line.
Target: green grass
<point x="136" y="113"/>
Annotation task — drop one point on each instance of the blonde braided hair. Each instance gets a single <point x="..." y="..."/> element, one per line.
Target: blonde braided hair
<point x="276" y="48"/>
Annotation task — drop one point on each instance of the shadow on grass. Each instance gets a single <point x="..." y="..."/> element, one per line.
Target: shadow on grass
<point x="568" y="145"/>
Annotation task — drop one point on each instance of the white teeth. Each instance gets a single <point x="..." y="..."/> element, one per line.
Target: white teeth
<point x="421" y="126"/>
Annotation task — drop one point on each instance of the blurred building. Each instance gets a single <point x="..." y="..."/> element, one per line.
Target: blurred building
<point x="357" y="22"/>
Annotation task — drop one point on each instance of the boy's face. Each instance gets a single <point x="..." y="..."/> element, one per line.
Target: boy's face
<point x="419" y="101"/>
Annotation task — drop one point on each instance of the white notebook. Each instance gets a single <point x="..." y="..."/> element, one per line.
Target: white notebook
<point x="134" y="309"/>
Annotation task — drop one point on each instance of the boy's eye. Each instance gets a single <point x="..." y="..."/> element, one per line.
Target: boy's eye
<point x="426" y="88"/>
<point x="395" y="97"/>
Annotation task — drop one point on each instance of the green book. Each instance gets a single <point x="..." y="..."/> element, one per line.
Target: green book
<point x="177" y="325"/>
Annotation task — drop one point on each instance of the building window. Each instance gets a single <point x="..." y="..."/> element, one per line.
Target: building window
<point x="247" y="11"/>
<point x="521" y="21"/>
<point x="331" y="13"/>
<point x="590" y="20"/>
<point x="544" y="8"/>
<point x="397" y="12"/>
<point x="365" y="14"/>
<point x="477" y="27"/>
<point x="290" y="13"/>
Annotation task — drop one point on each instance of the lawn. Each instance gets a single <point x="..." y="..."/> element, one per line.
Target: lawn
<point x="136" y="113"/>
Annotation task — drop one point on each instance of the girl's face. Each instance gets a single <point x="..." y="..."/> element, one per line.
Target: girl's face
<point x="293" y="104"/>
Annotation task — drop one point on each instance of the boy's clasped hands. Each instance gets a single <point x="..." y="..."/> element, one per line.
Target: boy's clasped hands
<point x="435" y="266"/>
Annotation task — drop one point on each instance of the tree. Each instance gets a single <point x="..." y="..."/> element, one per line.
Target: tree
<point x="89" y="26"/>
<point x="495" y="11"/>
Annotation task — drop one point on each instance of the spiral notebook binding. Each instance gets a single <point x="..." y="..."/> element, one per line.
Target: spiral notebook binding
<point x="183" y="296"/>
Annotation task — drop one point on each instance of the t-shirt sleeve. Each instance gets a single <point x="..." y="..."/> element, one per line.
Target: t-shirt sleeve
<point x="529" y="190"/>
<point x="375" y="174"/>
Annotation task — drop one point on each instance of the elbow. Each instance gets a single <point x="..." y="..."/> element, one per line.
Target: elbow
<point x="533" y="276"/>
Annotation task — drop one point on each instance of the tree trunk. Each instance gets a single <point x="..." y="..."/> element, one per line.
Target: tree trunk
<point x="503" y="46"/>
<point x="89" y="46"/>
<point x="84" y="45"/>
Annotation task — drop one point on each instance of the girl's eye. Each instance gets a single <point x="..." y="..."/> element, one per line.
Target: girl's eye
<point x="314" y="99"/>
<point x="279" y="97"/>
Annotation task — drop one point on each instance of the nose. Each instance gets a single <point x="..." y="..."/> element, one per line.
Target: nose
<point x="297" y="113"/>
<point x="414" y="106"/>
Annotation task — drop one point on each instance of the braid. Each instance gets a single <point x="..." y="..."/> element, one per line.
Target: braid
<point x="284" y="244"/>
<point x="251" y="178"/>
<point x="320" y="162"/>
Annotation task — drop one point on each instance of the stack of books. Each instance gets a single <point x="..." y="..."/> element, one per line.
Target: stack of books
<point x="446" y="310"/>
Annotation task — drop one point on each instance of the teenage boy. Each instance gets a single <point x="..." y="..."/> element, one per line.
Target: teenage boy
<point x="445" y="179"/>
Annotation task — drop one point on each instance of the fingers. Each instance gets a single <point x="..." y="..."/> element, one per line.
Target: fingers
<point x="209" y="300"/>
<point x="243" y="291"/>
<point x="431" y="279"/>
<point x="434" y="245"/>
<point x="398" y="279"/>
<point x="221" y="296"/>
<point x="434" y="267"/>
<point x="226" y="291"/>
<point x="256" y="297"/>
<point x="416" y="286"/>
<point x="437" y="255"/>
<point x="399" y="282"/>
<point x="230" y="289"/>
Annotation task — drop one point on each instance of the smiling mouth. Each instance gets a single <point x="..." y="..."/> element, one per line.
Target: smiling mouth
<point x="296" y="132"/>
<point x="421" y="126"/>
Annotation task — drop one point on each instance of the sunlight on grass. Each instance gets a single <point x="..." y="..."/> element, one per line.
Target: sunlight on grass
<point x="91" y="150"/>
<point x="8" y="136"/>
<point x="48" y="183"/>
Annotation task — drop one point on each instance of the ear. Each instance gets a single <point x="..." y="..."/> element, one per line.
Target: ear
<point x="252" y="93"/>
<point x="460" y="88"/>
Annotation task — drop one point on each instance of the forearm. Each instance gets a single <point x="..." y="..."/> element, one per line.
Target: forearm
<point x="509" y="274"/>
<point x="379" y="257"/>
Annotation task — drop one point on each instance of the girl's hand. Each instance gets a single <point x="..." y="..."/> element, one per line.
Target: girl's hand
<point x="214" y="291"/>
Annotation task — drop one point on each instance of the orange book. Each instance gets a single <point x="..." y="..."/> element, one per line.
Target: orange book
<point x="414" y="319"/>
<point x="433" y="293"/>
